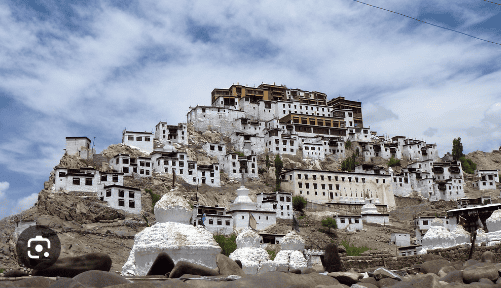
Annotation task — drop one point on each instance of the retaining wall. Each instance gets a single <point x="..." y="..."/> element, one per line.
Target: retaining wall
<point x="379" y="259"/>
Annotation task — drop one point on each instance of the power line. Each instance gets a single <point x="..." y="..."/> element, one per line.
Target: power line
<point x="492" y="2"/>
<point x="431" y="23"/>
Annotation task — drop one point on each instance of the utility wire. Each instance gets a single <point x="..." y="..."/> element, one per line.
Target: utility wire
<point x="492" y="2"/>
<point x="431" y="23"/>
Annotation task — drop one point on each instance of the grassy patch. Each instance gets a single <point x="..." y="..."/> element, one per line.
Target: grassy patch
<point x="154" y="198"/>
<point x="352" y="250"/>
<point x="227" y="243"/>
<point x="301" y="217"/>
<point x="1" y="270"/>
<point x="272" y="254"/>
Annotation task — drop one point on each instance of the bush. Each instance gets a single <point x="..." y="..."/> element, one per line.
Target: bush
<point x="298" y="203"/>
<point x="352" y="250"/>
<point x="228" y="244"/>
<point x="261" y="170"/>
<point x="241" y="154"/>
<point x="349" y="164"/>
<point x="348" y="144"/>
<point x="468" y="165"/>
<point x="272" y="254"/>
<point x="393" y="162"/>
<point x="329" y="223"/>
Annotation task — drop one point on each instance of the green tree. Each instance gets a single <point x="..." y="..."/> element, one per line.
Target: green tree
<point x="279" y="165"/>
<point x="348" y="144"/>
<point x="457" y="149"/>
<point x="349" y="164"/>
<point x="468" y="165"/>
<point x="298" y="203"/>
<point x="329" y="223"/>
<point x="267" y="161"/>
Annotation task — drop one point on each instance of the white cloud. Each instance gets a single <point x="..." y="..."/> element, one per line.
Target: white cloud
<point x="26" y="202"/>
<point x="3" y="187"/>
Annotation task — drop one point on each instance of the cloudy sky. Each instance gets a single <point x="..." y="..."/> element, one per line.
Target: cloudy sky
<point x="92" y="68"/>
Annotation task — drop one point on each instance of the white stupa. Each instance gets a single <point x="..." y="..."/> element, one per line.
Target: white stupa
<point x="438" y="236"/>
<point x="174" y="235"/>
<point x="243" y="201"/>
<point x="291" y="256"/>
<point x="249" y="251"/>
<point x="481" y="237"/>
<point x="369" y="208"/>
<point x="493" y="223"/>
<point x="461" y="236"/>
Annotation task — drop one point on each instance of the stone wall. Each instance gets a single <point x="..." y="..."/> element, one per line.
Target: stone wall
<point x="380" y="259"/>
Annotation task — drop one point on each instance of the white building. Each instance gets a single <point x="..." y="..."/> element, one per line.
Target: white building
<point x="168" y="134"/>
<point x="400" y="239"/>
<point x="141" y="140"/>
<point x="234" y="165"/>
<point x="486" y="179"/>
<point x="122" y="197"/>
<point x="79" y="146"/>
<point x="280" y="202"/>
<point x="246" y="213"/>
<point x="84" y="179"/>
<point x="216" y="219"/>
<point x="349" y="222"/>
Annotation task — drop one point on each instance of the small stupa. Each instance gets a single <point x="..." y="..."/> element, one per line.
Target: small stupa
<point x="174" y="235"/>
<point x="461" y="236"/>
<point x="249" y="251"/>
<point x="438" y="236"/>
<point x="493" y="223"/>
<point x="291" y="255"/>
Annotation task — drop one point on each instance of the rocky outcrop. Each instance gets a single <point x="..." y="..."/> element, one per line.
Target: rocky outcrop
<point x="69" y="207"/>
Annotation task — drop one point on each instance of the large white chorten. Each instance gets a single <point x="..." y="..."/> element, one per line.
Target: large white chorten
<point x="174" y="235"/>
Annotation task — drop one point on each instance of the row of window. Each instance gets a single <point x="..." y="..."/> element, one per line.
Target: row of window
<point x="139" y="138"/>
<point x="89" y="181"/>
<point x="336" y="178"/>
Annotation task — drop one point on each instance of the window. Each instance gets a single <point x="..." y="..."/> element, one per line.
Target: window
<point x="115" y="178"/>
<point x="425" y="222"/>
<point x="132" y="204"/>
<point x="211" y="221"/>
<point x="342" y="220"/>
<point x="300" y="185"/>
<point x="335" y="177"/>
<point x="108" y="193"/>
<point x="121" y="202"/>
<point x="337" y="186"/>
<point x="120" y="193"/>
<point x="298" y="176"/>
<point x="104" y="177"/>
<point x="130" y="138"/>
<point x="307" y="185"/>
<point x="88" y="181"/>
<point x="131" y="194"/>
<point x="76" y="181"/>
<point x="219" y="222"/>
<point x="243" y="217"/>
<point x="138" y="139"/>
<point x="314" y="185"/>
<point x="125" y="169"/>
<point x="356" y="220"/>
<point x="305" y="176"/>
<point x="147" y="138"/>
<point x="212" y="147"/>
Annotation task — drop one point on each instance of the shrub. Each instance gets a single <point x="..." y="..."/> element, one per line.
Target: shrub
<point x="261" y="170"/>
<point x="468" y="165"/>
<point x="348" y="144"/>
<point x="228" y="244"/>
<point x="349" y="164"/>
<point x="329" y="223"/>
<point x="272" y="254"/>
<point x="279" y="165"/>
<point x="241" y="154"/>
<point x="267" y="161"/>
<point x="298" y="203"/>
<point x="352" y="250"/>
<point x="393" y="162"/>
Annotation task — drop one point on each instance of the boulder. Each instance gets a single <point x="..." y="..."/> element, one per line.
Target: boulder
<point x="486" y="281"/>
<point x="488" y="257"/>
<point x="239" y="263"/>
<point x="64" y="282"/>
<point x="283" y="280"/>
<point x="433" y="266"/>
<point x="347" y="278"/>
<point x="184" y="267"/>
<point x="15" y="273"/>
<point x="455" y="276"/>
<point x="445" y="270"/>
<point x="332" y="261"/>
<point x="162" y="265"/>
<point x="364" y="285"/>
<point x="99" y="279"/>
<point x="478" y="271"/>
<point x="227" y="266"/>
<point x="72" y="266"/>
<point x="470" y="262"/>
<point x="309" y="270"/>
<point x="33" y="282"/>
<point x="385" y="282"/>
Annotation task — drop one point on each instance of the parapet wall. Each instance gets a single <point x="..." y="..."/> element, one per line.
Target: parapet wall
<point x="380" y="259"/>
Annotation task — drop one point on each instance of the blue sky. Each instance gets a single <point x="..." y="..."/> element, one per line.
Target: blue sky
<point x="93" y="68"/>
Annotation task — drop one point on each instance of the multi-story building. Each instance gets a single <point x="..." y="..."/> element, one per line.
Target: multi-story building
<point x="280" y="202"/>
<point x="169" y="134"/>
<point x="486" y="179"/>
<point x="122" y="197"/>
<point x="339" y="187"/>
<point x="355" y="107"/>
<point x="234" y="165"/>
<point x="79" y="146"/>
<point x="141" y="140"/>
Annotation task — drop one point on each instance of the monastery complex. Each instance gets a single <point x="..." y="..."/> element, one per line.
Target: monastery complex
<point x="273" y="119"/>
